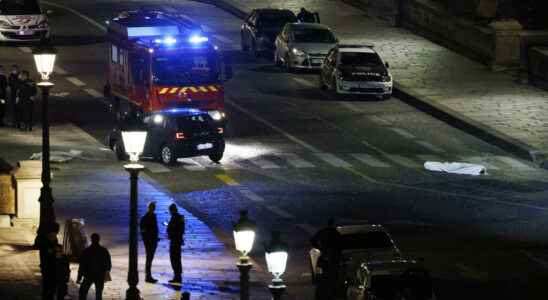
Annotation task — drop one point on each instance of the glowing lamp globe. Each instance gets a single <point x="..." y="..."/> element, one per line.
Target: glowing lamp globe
<point x="134" y="143"/>
<point x="244" y="235"/>
<point x="44" y="58"/>
<point x="276" y="257"/>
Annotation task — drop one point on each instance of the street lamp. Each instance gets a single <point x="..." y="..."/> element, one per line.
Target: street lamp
<point x="44" y="57"/>
<point x="134" y="143"/>
<point x="276" y="261"/>
<point x="244" y="235"/>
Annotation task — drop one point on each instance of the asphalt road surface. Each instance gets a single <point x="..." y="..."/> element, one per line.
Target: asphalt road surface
<point x="297" y="156"/>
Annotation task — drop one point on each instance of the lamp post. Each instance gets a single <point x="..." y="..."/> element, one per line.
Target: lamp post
<point x="244" y="236"/>
<point x="276" y="261"/>
<point x="134" y="142"/>
<point x="44" y="58"/>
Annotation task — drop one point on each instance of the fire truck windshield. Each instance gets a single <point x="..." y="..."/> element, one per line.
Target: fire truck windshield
<point x="187" y="68"/>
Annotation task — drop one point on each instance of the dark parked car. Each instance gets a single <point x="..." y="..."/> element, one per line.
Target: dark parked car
<point x="174" y="133"/>
<point x="261" y="27"/>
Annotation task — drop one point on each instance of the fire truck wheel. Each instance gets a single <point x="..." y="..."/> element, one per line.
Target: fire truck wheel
<point x="167" y="156"/>
<point x="119" y="151"/>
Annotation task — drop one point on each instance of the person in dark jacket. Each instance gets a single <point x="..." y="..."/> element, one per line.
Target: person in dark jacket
<point x="26" y="95"/>
<point x="149" y="233"/>
<point x="62" y="272"/>
<point x="305" y="16"/>
<point x="94" y="267"/>
<point x="13" y="83"/>
<point x="327" y="241"/>
<point x="47" y="243"/>
<point x="3" y="95"/>
<point x="175" y="233"/>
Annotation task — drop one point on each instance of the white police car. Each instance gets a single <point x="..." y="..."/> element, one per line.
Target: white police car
<point x="356" y="69"/>
<point x="22" y="20"/>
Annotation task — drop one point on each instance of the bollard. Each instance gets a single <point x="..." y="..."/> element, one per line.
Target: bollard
<point x="186" y="296"/>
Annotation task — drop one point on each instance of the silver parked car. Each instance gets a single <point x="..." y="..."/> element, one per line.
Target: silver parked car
<point x="303" y="46"/>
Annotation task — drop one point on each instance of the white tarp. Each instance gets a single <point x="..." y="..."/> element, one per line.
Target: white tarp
<point x="456" y="168"/>
<point x="58" y="156"/>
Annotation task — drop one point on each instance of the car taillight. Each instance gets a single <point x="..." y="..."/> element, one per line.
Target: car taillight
<point x="220" y="130"/>
<point x="180" y="136"/>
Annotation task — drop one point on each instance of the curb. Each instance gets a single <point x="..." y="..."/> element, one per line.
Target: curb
<point x="468" y="125"/>
<point x="437" y="110"/>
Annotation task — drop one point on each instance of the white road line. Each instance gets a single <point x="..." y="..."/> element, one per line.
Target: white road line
<point x="514" y="163"/>
<point x="351" y="106"/>
<point x="333" y="160"/>
<point x="379" y="121"/>
<point x="403" y="161"/>
<point x="25" y="49"/>
<point x="404" y="133"/>
<point x="60" y="71"/>
<point x="227" y="165"/>
<point x="191" y="164"/>
<point x="91" y="21"/>
<point x="273" y="127"/>
<point x="280" y="212"/>
<point x="304" y="82"/>
<point x="430" y="146"/>
<point x="252" y="196"/>
<point x="155" y="167"/>
<point x="93" y="93"/>
<point x="75" y="81"/>
<point x="370" y="160"/>
<point x="295" y="161"/>
<point x="539" y="261"/>
<point x="479" y="160"/>
<point x="307" y="228"/>
<point x="264" y="163"/>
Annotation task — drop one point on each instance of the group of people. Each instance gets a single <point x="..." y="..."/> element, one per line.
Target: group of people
<point x="95" y="262"/>
<point x="20" y="99"/>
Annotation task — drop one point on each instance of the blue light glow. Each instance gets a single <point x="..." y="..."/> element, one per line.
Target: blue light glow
<point x="198" y="39"/>
<point x="166" y="41"/>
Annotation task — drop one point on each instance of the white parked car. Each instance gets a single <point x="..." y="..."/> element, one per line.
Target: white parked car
<point x="303" y="46"/>
<point x="356" y="69"/>
<point x="22" y="20"/>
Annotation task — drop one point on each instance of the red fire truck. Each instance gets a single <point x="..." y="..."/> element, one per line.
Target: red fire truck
<point x="160" y="61"/>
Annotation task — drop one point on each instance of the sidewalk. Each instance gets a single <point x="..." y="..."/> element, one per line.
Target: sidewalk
<point x="493" y="106"/>
<point x="97" y="189"/>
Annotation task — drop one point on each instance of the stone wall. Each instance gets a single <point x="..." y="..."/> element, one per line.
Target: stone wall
<point x="538" y="62"/>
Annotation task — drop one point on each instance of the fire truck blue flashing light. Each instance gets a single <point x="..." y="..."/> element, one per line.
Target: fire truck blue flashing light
<point x="197" y="39"/>
<point x="168" y="40"/>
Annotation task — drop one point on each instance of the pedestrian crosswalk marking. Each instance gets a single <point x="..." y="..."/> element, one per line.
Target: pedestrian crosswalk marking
<point x="370" y="160"/>
<point x="380" y="121"/>
<point x="227" y="179"/>
<point x="514" y="163"/>
<point x="231" y="165"/>
<point x="264" y="163"/>
<point x="479" y="160"/>
<point x="192" y="165"/>
<point x="295" y="161"/>
<point x="333" y="160"/>
<point x="75" y="81"/>
<point x="404" y="133"/>
<point x="403" y="161"/>
<point x="430" y="146"/>
<point x="93" y="93"/>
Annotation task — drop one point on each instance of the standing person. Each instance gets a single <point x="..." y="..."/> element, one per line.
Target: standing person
<point x="149" y="233"/>
<point x="26" y="95"/>
<point x="327" y="241"/>
<point x="3" y="95"/>
<point x="175" y="233"/>
<point x="13" y="82"/>
<point x="62" y="272"/>
<point x="47" y="244"/>
<point x="305" y="16"/>
<point x="94" y="268"/>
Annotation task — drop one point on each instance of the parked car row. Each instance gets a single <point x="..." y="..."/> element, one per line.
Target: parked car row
<point x="344" y="68"/>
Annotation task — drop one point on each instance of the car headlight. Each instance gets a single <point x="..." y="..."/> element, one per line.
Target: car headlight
<point x="298" y="52"/>
<point x="216" y="115"/>
<point x="386" y="78"/>
<point x="4" y="24"/>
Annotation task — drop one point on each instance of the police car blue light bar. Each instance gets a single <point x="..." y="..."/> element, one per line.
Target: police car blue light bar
<point x="198" y="39"/>
<point x="166" y="41"/>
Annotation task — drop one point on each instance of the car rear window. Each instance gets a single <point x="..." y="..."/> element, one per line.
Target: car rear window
<point x="194" y="123"/>
<point x="369" y="240"/>
<point x="19" y="7"/>
<point x="310" y="35"/>
<point x="360" y="59"/>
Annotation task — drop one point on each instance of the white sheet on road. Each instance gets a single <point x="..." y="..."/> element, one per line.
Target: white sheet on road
<point x="456" y="168"/>
<point x="58" y="156"/>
